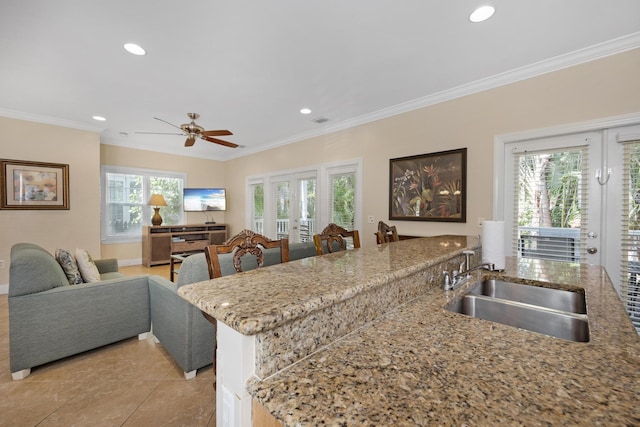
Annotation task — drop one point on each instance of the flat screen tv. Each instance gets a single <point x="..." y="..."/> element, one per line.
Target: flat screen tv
<point x="204" y="199"/>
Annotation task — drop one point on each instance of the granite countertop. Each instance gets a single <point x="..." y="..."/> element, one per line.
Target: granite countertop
<point x="260" y="300"/>
<point x="421" y="364"/>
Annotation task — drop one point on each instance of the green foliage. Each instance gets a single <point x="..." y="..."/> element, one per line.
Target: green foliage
<point x="343" y="202"/>
<point x="549" y="188"/>
<point x="308" y="199"/>
<point x="634" y="188"/>
<point x="258" y="201"/>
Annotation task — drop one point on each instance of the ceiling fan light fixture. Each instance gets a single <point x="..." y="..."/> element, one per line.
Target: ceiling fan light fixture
<point x="135" y="49"/>
<point x="482" y="14"/>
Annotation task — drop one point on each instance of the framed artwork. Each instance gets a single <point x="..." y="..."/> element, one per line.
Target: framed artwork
<point x="34" y="185"/>
<point x="429" y="187"/>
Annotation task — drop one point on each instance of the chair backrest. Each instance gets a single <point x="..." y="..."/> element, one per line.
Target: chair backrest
<point x="244" y="243"/>
<point x="386" y="233"/>
<point x="331" y="239"/>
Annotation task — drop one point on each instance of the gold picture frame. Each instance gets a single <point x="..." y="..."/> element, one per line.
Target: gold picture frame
<point x="429" y="187"/>
<point x="34" y="185"/>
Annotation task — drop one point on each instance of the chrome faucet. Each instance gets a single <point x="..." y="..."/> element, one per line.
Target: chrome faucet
<point x="458" y="277"/>
<point x="488" y="265"/>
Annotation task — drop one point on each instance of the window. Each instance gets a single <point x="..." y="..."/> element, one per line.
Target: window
<point x="342" y="188"/>
<point x="297" y="204"/>
<point x="256" y="206"/>
<point x="606" y="193"/>
<point x="630" y="238"/>
<point x="125" y="193"/>
<point x="550" y="204"/>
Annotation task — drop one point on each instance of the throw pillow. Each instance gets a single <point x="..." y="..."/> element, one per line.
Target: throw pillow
<point x="68" y="263"/>
<point x="87" y="266"/>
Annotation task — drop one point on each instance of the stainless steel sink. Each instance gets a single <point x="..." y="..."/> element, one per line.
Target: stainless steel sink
<point x="549" y="312"/>
<point x="557" y="299"/>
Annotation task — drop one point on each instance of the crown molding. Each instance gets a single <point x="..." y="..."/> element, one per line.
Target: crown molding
<point x="591" y="53"/>
<point x="38" y="118"/>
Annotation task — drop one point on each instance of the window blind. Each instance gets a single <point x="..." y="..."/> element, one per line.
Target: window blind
<point x="281" y="197"/>
<point x="256" y="190"/>
<point x="630" y="239"/>
<point x="125" y="193"/>
<point x="550" y="204"/>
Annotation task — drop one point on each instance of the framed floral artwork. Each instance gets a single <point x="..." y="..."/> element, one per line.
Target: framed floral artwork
<point x="429" y="187"/>
<point x="34" y="185"/>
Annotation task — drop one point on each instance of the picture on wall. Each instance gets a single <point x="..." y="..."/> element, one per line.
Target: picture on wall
<point x="34" y="185"/>
<point x="429" y="187"/>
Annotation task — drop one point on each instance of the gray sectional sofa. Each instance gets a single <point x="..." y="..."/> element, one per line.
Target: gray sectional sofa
<point x="50" y="319"/>
<point x="179" y="326"/>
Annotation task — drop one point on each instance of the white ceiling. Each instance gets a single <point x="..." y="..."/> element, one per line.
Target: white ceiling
<point x="250" y="66"/>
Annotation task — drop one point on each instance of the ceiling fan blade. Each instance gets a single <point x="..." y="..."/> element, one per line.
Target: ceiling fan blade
<point x="171" y="124"/>
<point x="216" y="132"/>
<point x="219" y="141"/>
<point x="189" y="142"/>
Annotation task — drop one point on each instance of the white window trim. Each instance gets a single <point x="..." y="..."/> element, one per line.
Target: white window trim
<point x="105" y="169"/>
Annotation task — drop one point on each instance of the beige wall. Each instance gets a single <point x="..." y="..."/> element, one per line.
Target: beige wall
<point x="78" y="227"/>
<point x="200" y="173"/>
<point x="602" y="88"/>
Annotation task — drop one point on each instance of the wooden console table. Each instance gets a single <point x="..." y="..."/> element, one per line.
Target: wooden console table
<point x="160" y="242"/>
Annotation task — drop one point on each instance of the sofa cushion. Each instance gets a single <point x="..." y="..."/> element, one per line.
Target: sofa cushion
<point x="32" y="270"/>
<point x="68" y="263"/>
<point x="111" y="275"/>
<point x="87" y="266"/>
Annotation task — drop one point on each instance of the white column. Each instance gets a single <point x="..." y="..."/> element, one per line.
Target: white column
<point x="235" y="364"/>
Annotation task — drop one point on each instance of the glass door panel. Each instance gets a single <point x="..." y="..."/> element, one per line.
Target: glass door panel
<point x="306" y="212"/>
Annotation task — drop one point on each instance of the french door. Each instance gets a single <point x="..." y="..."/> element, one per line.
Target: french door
<point x="293" y="206"/>
<point x="553" y="199"/>
<point x="576" y="198"/>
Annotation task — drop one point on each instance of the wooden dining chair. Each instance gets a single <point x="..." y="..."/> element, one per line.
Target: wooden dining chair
<point x="243" y="243"/>
<point x="386" y="233"/>
<point x="331" y="239"/>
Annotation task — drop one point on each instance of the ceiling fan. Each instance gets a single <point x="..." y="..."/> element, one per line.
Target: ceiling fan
<point x="193" y="131"/>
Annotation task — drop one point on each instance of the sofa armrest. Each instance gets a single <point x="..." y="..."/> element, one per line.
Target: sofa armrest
<point x="67" y="320"/>
<point x="180" y="326"/>
<point x="109" y="265"/>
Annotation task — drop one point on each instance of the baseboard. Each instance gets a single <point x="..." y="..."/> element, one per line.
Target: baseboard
<point x="128" y="262"/>
<point x="4" y="289"/>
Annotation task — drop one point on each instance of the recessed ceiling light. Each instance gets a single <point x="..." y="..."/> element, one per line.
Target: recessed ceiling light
<point x="482" y="14"/>
<point x="305" y="111"/>
<point x="134" y="49"/>
<point x="99" y="118"/>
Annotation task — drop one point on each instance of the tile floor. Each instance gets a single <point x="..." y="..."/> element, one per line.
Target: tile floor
<point x="130" y="383"/>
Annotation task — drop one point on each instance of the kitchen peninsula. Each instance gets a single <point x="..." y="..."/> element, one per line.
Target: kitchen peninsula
<point x="402" y="359"/>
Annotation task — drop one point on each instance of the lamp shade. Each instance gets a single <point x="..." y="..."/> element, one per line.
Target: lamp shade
<point x="157" y="200"/>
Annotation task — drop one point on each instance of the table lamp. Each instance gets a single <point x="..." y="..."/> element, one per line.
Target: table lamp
<point x="156" y="201"/>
